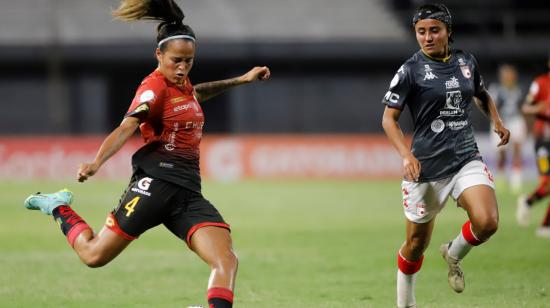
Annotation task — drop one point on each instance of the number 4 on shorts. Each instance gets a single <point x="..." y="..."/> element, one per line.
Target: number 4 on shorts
<point x="130" y="206"/>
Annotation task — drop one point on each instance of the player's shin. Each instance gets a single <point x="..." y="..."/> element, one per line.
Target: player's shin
<point x="406" y="279"/>
<point x="70" y="222"/>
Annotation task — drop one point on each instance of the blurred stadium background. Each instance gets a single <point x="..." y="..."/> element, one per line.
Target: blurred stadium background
<point x="297" y="148"/>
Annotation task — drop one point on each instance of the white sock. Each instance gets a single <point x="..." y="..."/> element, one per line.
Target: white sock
<point x="515" y="179"/>
<point x="405" y="290"/>
<point x="459" y="247"/>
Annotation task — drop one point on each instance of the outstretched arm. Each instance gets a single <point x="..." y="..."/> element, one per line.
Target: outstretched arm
<point x="488" y="107"/>
<point x="411" y="165"/>
<point x="207" y="90"/>
<point x="109" y="147"/>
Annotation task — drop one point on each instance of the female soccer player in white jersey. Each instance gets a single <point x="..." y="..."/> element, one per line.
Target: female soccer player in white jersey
<point x="440" y="85"/>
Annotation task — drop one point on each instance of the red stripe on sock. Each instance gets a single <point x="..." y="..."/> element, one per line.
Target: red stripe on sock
<point x="222" y="293"/>
<point x="408" y="267"/>
<point x="469" y="234"/>
<point x="75" y="232"/>
<point x="541" y="189"/>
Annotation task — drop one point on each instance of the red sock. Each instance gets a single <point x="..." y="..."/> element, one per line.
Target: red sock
<point x="71" y="224"/>
<point x="408" y="267"/>
<point x="540" y="192"/>
<point x="220" y="298"/>
<point x="469" y="235"/>
<point x="546" y="221"/>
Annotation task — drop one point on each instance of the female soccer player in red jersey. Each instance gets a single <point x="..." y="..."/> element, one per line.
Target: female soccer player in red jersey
<point x="537" y="103"/>
<point x="440" y="85"/>
<point x="165" y="187"/>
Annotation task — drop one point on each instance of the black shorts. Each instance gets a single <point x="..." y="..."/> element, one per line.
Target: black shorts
<point x="148" y="202"/>
<point x="542" y="150"/>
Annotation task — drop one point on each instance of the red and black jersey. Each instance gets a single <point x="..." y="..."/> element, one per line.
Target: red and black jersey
<point x="171" y="127"/>
<point x="540" y="89"/>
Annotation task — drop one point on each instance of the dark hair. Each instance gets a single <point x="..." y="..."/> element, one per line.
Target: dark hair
<point x="167" y="12"/>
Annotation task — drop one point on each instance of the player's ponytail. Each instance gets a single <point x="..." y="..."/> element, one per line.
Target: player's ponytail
<point x="167" y="12"/>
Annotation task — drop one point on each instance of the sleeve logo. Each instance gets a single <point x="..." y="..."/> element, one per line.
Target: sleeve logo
<point x="146" y="96"/>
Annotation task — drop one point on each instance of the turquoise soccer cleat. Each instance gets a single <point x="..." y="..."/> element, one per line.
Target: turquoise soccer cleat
<point x="48" y="202"/>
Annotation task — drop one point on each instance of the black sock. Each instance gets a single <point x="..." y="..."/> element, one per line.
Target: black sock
<point x="71" y="224"/>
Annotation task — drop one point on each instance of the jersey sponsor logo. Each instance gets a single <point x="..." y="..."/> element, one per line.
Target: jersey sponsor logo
<point x="465" y="71"/>
<point x="146" y="96"/>
<point x="391" y="97"/>
<point x="143" y="186"/>
<point x="171" y="145"/>
<point x="192" y="125"/>
<point x="176" y="100"/>
<point x="428" y="73"/>
<point x="145" y="183"/>
<point x="182" y="107"/>
<point x="452" y="83"/>
<point x="437" y="126"/>
<point x="166" y="165"/>
<point x="457" y="125"/>
<point x="452" y="104"/>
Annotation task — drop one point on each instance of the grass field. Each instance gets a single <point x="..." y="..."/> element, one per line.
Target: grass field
<point x="300" y="244"/>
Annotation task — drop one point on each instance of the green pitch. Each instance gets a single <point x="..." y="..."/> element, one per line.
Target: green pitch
<point x="300" y="244"/>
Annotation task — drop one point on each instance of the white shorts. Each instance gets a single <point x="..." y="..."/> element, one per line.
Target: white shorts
<point x="423" y="201"/>
<point x="517" y="128"/>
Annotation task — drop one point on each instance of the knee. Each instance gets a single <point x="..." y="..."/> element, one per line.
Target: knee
<point x="227" y="261"/>
<point x="416" y="246"/>
<point x="95" y="261"/>
<point x="486" y="228"/>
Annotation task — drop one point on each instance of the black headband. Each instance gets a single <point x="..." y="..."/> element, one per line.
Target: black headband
<point x="433" y="11"/>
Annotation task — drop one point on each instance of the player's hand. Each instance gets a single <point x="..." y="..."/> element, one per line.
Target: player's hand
<point x="503" y="133"/>
<point x="257" y="73"/>
<point x="86" y="170"/>
<point x="411" y="168"/>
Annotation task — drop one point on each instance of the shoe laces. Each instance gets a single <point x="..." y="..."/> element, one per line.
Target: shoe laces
<point x="454" y="266"/>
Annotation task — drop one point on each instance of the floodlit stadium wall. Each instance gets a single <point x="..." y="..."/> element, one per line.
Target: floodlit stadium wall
<point x="225" y="157"/>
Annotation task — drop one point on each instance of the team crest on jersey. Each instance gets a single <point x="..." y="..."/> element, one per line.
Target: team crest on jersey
<point x="452" y="83"/>
<point x="146" y="96"/>
<point x="428" y="73"/>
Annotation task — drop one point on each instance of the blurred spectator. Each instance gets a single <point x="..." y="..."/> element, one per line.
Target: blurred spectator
<point x="537" y="103"/>
<point x="508" y="97"/>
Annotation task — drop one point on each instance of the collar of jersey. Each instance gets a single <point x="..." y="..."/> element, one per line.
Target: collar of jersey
<point x="445" y="60"/>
